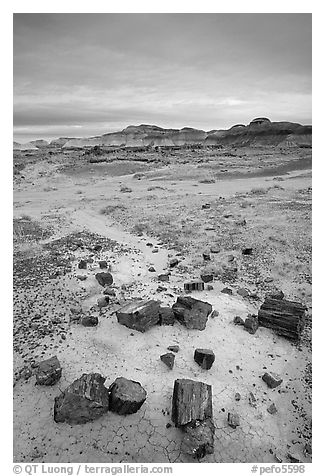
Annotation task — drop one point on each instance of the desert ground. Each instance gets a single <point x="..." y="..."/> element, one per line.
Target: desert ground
<point x="143" y="209"/>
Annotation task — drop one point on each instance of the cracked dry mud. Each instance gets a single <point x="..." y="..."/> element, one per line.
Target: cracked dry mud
<point x="43" y="321"/>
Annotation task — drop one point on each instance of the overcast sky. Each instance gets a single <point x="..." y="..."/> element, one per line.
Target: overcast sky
<point x="79" y="75"/>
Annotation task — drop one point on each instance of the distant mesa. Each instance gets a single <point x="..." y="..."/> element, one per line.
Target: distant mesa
<point x="260" y="131"/>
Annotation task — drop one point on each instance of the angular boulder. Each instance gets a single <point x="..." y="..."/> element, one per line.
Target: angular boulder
<point x="126" y="396"/>
<point x="204" y="357"/>
<point x="192" y="313"/>
<point x="104" y="279"/>
<point x="48" y="372"/>
<point x="86" y="399"/>
<point x="139" y="315"/>
<point x="192" y="401"/>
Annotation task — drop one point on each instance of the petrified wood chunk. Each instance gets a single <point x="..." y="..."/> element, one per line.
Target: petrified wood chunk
<point x="192" y="313"/>
<point x="86" y="399"/>
<point x="251" y="324"/>
<point x="126" y="396"/>
<point x="192" y="401"/>
<point x="233" y="420"/>
<point x="286" y="318"/>
<point x="139" y="315"/>
<point x="89" y="321"/>
<point x="194" y="286"/>
<point x="272" y="380"/>
<point x="166" y="316"/>
<point x="198" y="440"/>
<point x="48" y="372"/>
<point x="204" y="357"/>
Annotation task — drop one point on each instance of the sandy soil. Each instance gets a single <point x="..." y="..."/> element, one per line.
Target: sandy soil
<point x="59" y="200"/>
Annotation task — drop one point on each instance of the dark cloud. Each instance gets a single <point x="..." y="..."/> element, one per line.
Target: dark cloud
<point x="202" y="70"/>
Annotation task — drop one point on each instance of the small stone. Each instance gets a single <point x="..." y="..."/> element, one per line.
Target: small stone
<point x="237" y="397"/>
<point x="48" y="372"/>
<point x="207" y="278"/>
<point x="272" y="380"/>
<point x="109" y="292"/>
<point x="126" y="396"/>
<point x="173" y="262"/>
<point x="275" y="294"/>
<point x="104" y="279"/>
<point x="81" y="277"/>
<point x="272" y="409"/>
<point x="163" y="277"/>
<point x="204" y="357"/>
<point x="206" y="256"/>
<point x="227" y="291"/>
<point x="251" y="324"/>
<point x="205" y="206"/>
<point x="82" y="264"/>
<point x="173" y="348"/>
<point x="238" y="321"/>
<point x="89" y="321"/>
<point x="103" y="301"/>
<point x="194" y="286"/>
<point x="233" y="420"/>
<point x="214" y="250"/>
<point x="243" y="292"/>
<point x="247" y="251"/>
<point x="151" y="269"/>
<point x="214" y="314"/>
<point x="252" y="400"/>
<point x="210" y="287"/>
<point x="103" y="264"/>
<point x="168" y="359"/>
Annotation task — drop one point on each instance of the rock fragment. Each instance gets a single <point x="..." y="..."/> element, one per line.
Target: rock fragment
<point x="103" y="264"/>
<point x="272" y="380"/>
<point x="204" y="358"/>
<point x="173" y="262"/>
<point x="233" y="420"/>
<point x="82" y="264"/>
<point x="192" y="401"/>
<point x="89" y="321"/>
<point x="173" y="348"/>
<point x="104" y="279"/>
<point x="251" y="324"/>
<point x="168" y="359"/>
<point x="272" y="409"/>
<point x="166" y="316"/>
<point x="192" y="313"/>
<point x="48" y="372"/>
<point x="126" y="396"/>
<point x="86" y="399"/>
<point x="198" y="439"/>
<point x="206" y="278"/>
<point x="238" y="321"/>
<point x="194" y="286"/>
<point x="139" y="315"/>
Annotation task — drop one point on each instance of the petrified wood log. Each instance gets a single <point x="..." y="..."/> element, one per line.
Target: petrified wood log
<point x="286" y="318"/>
<point x="192" y="401"/>
<point x="126" y="396"/>
<point x="192" y="313"/>
<point x="139" y="315"/>
<point x="194" y="286"/>
<point x="86" y="399"/>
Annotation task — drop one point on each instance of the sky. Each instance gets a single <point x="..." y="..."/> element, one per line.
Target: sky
<point x="80" y="75"/>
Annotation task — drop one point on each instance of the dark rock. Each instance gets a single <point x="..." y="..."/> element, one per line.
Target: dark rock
<point x="168" y="359"/>
<point x="252" y="399"/>
<point x="160" y="289"/>
<point x="209" y="287"/>
<point x="163" y="277"/>
<point x="173" y="348"/>
<point x="272" y="409"/>
<point x="206" y="256"/>
<point x="207" y="278"/>
<point x="286" y="318"/>
<point x="205" y="206"/>
<point x="103" y="301"/>
<point x="97" y="247"/>
<point x="109" y="292"/>
<point x="192" y="401"/>
<point x="243" y="292"/>
<point x="82" y="264"/>
<point x="155" y="250"/>
<point x="48" y="372"/>
<point x="272" y="380"/>
<point x="81" y="277"/>
<point x="126" y="396"/>
<point x="103" y="264"/>
<point x="204" y="357"/>
<point x="86" y="399"/>
<point x="233" y="420"/>
<point x="192" y="313"/>
<point x="151" y="269"/>
<point x="198" y="440"/>
<point x="247" y="251"/>
<point x="173" y="262"/>
<point x="251" y="324"/>
<point x="227" y="291"/>
<point x="237" y="397"/>
<point x="194" y="286"/>
<point x="104" y="279"/>
<point x="139" y="315"/>
<point x="238" y="321"/>
<point x="89" y="321"/>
